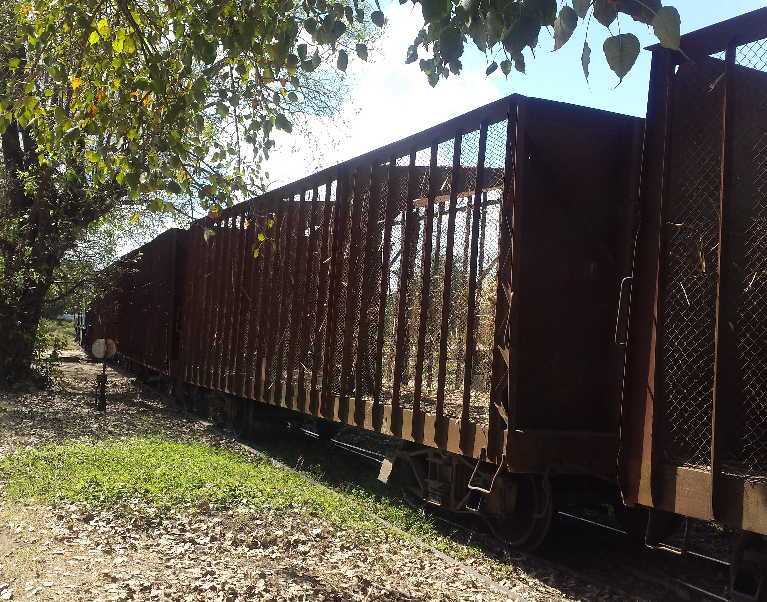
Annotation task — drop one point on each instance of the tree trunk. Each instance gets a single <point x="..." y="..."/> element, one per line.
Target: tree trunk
<point x="37" y="227"/>
<point x="19" y="320"/>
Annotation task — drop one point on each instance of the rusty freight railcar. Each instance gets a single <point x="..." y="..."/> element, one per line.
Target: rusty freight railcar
<point x="694" y="437"/>
<point x="456" y="289"/>
<point x="139" y="310"/>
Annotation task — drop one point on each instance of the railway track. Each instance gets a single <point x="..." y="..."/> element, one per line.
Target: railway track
<point x="627" y="567"/>
<point x="619" y="573"/>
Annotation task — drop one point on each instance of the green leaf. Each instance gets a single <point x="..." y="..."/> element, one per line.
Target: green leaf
<point x="94" y="38"/>
<point x="362" y="51"/>
<point x="339" y="29"/>
<point x="71" y="135"/>
<point x="519" y="62"/>
<point x="544" y="10"/>
<point x="435" y="10"/>
<point x="605" y="11"/>
<point x="640" y="10"/>
<point x="343" y="60"/>
<point x="621" y="52"/>
<point x="282" y="123"/>
<point x="666" y="25"/>
<point x="506" y="67"/>
<point x="564" y="26"/>
<point x="581" y="7"/>
<point x="412" y="55"/>
<point x="103" y="28"/>
<point x="451" y="44"/>
<point x="261" y="236"/>
<point x="378" y="19"/>
<point x="118" y="45"/>
<point x="524" y="32"/>
<point x="256" y="252"/>
<point x="292" y="97"/>
<point x="134" y="218"/>
<point x="491" y="68"/>
<point x="131" y="179"/>
<point x="14" y="63"/>
<point x="586" y="59"/>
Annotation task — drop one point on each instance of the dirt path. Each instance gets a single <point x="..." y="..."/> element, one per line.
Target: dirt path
<point x="73" y="552"/>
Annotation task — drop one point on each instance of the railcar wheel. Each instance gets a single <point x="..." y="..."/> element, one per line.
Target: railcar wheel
<point x="520" y="512"/>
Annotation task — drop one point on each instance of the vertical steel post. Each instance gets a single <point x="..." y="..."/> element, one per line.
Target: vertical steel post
<point x="725" y="339"/>
<point x="418" y="422"/>
<point x="498" y="411"/>
<point x="457" y="180"/>
<point x="471" y="317"/>
<point x="409" y="226"/>
<point x="390" y="209"/>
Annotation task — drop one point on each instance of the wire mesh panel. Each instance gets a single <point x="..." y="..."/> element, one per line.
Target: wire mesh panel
<point x="748" y="446"/>
<point x="689" y="265"/>
<point x="693" y="356"/>
<point x="488" y="262"/>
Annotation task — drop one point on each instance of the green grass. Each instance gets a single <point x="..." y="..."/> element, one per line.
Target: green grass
<point x="158" y="476"/>
<point x="165" y="475"/>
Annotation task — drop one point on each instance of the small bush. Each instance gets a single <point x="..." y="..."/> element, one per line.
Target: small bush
<point x="52" y="337"/>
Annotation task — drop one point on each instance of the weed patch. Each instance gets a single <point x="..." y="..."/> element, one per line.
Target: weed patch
<point x="163" y="475"/>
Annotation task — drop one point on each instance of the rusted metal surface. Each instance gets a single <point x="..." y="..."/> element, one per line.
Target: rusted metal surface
<point x="139" y="310"/>
<point x="748" y="455"/>
<point x="696" y="389"/>
<point x="385" y="293"/>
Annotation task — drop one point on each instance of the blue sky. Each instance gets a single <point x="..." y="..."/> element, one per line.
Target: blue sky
<point x="390" y="100"/>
